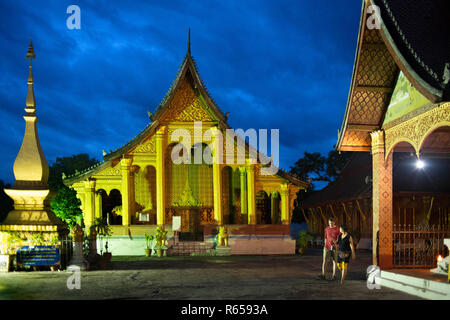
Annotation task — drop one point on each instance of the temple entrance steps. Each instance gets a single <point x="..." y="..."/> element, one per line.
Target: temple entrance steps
<point x="191" y="248"/>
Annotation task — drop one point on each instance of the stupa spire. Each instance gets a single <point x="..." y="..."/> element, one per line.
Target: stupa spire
<point x="30" y="191"/>
<point x="31" y="102"/>
<point x="30" y="167"/>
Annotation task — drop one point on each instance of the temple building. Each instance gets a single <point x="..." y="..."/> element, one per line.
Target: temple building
<point x="420" y="197"/>
<point x="398" y="108"/>
<point x="139" y="186"/>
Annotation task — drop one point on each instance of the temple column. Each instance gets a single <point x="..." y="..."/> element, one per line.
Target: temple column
<point x="244" y="201"/>
<point x="89" y="203"/>
<point x="127" y="201"/>
<point x="251" y="209"/>
<point x="382" y="202"/>
<point x="217" y="177"/>
<point x="273" y="207"/>
<point x="284" y="204"/>
<point x="98" y="204"/>
<point x="160" y="177"/>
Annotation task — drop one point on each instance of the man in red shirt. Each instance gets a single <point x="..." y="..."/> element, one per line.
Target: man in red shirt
<point x="331" y="235"/>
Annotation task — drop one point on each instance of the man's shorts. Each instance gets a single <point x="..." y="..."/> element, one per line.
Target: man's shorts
<point x="330" y="254"/>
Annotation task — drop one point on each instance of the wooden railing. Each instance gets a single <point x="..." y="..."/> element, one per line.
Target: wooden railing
<point x="418" y="246"/>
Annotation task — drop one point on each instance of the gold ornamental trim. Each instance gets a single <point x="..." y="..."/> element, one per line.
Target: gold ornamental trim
<point x="42" y="228"/>
<point x="415" y="130"/>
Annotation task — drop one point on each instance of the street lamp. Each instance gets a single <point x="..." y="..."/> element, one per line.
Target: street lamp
<point x="420" y="164"/>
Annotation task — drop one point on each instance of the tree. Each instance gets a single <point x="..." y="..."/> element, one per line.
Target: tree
<point x="68" y="166"/>
<point x="6" y="203"/>
<point x="315" y="167"/>
<point x="66" y="206"/>
<point x="310" y="167"/>
<point x="335" y="163"/>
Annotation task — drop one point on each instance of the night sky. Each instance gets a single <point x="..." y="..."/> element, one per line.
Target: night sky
<point x="272" y="64"/>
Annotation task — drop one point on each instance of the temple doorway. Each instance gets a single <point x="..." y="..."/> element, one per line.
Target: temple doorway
<point x="263" y="208"/>
<point x="189" y="191"/>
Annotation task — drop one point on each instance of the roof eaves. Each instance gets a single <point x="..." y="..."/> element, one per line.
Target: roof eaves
<point x="341" y="132"/>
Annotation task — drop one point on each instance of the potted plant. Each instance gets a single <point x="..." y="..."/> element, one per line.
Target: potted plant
<point x="302" y="242"/>
<point x="148" y="241"/>
<point x="160" y="238"/>
<point x="103" y="231"/>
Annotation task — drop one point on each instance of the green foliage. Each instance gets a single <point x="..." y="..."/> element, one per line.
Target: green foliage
<point x="303" y="238"/>
<point x="102" y="227"/>
<point x="66" y="206"/>
<point x="68" y="166"/>
<point x="86" y="245"/>
<point x="311" y="166"/>
<point x="335" y="163"/>
<point x="103" y="230"/>
<point x="148" y="239"/>
<point x="9" y="239"/>
<point x="316" y="167"/>
<point x="160" y="236"/>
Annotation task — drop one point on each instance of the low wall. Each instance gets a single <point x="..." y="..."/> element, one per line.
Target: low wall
<point x="243" y="239"/>
<point x="255" y="239"/>
<point x="130" y="240"/>
<point x="138" y="230"/>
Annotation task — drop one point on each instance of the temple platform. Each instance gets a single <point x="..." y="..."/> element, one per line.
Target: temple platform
<point x="242" y="240"/>
<point x="418" y="282"/>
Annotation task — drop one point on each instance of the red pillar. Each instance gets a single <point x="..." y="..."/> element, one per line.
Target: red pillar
<point x="382" y="197"/>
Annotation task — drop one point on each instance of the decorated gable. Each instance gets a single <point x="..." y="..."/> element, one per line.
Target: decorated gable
<point x="405" y="99"/>
<point x="186" y="106"/>
<point x="149" y="146"/>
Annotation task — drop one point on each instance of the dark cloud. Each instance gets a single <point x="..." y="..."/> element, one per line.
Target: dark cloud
<point x="271" y="64"/>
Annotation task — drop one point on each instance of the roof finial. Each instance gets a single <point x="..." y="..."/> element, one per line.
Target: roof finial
<point x="30" y="102"/>
<point x="30" y="52"/>
<point x="189" y="41"/>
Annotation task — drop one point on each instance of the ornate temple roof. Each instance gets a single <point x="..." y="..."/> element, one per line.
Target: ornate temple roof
<point x="188" y="66"/>
<point x="411" y="38"/>
<point x="418" y="36"/>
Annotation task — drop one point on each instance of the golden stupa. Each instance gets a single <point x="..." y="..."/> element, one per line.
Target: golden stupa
<point x="30" y="191"/>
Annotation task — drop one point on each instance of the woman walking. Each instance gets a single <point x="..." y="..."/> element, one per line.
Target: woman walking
<point x="346" y="249"/>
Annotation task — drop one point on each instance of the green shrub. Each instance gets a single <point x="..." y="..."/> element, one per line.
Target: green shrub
<point x="303" y="238"/>
<point x="66" y="206"/>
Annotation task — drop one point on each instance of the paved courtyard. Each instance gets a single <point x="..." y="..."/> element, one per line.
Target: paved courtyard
<point x="235" y="277"/>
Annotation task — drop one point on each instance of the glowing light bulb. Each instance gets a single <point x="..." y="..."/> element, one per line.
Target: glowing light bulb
<point x="420" y="164"/>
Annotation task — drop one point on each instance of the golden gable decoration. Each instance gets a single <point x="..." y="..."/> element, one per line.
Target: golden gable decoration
<point x="194" y="112"/>
<point x="148" y="147"/>
<point x="415" y="130"/>
<point x="185" y="106"/>
<point x="110" y="172"/>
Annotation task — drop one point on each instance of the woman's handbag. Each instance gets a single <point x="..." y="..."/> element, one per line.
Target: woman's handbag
<point x="343" y="255"/>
